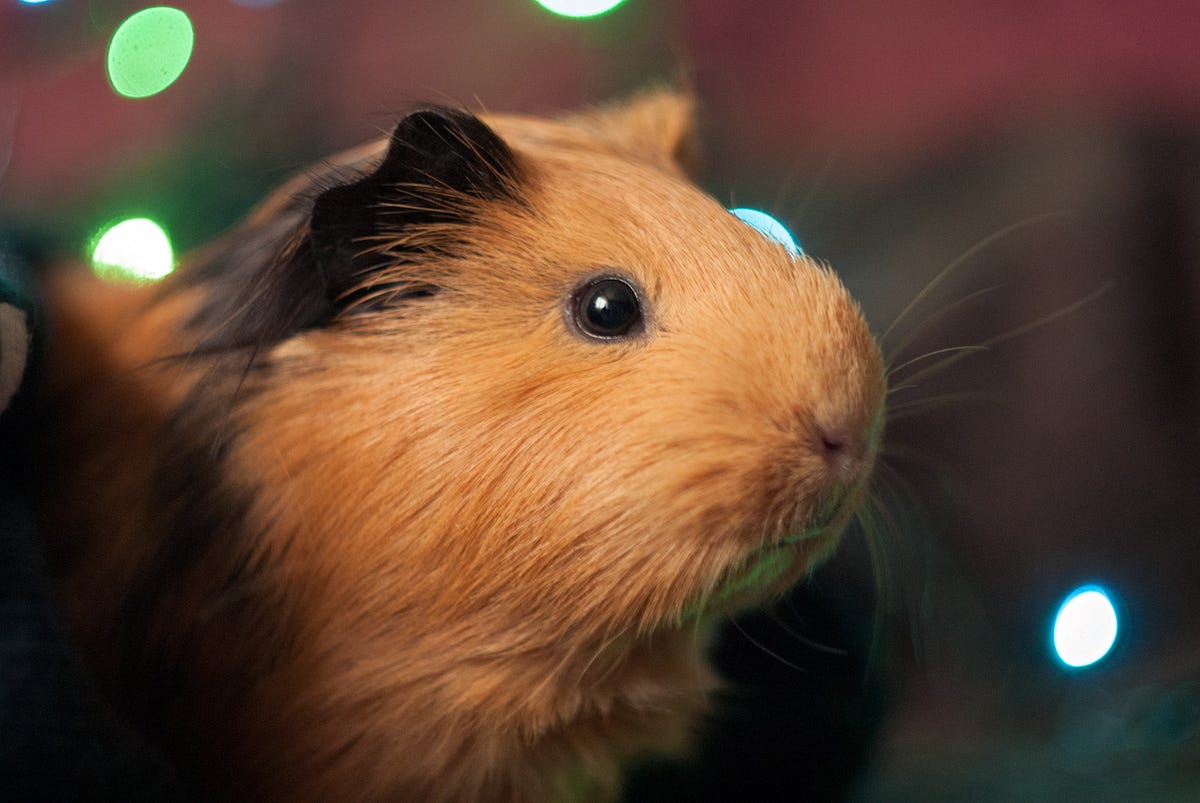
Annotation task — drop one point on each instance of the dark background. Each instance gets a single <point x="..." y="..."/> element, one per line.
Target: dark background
<point x="894" y="139"/>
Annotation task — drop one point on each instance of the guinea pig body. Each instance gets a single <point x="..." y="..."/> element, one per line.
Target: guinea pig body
<point x="429" y="482"/>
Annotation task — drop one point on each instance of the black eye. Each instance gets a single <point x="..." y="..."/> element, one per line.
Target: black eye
<point x="607" y="308"/>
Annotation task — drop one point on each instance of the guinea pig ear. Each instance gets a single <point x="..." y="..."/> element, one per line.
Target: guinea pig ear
<point x="440" y="163"/>
<point x="656" y="125"/>
<point x="441" y="167"/>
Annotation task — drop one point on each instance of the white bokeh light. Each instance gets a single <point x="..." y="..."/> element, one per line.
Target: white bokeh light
<point x="1085" y="627"/>
<point x="579" y="8"/>
<point x="136" y="249"/>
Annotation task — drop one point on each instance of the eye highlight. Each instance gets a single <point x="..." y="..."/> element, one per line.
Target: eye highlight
<point x="607" y="308"/>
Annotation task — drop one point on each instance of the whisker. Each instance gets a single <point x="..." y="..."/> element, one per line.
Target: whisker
<point x="934" y="353"/>
<point x="816" y="184"/>
<point x="955" y="264"/>
<point x="763" y="647"/>
<point x="906" y="454"/>
<point x="900" y="411"/>
<point x="789" y="175"/>
<point x="914" y="379"/>
<point x="1052" y="316"/>
<point x="869" y="518"/>
<point x="1023" y="329"/>
<point x="698" y="617"/>
<point x="572" y="652"/>
<point x="901" y="387"/>
<point x="604" y="645"/>
<point x="550" y="676"/>
<point x="895" y="600"/>
<point x="936" y="317"/>
<point x="800" y="637"/>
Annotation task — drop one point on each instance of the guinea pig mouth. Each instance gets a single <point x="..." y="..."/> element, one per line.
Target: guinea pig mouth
<point x="775" y="565"/>
<point x="779" y="561"/>
<point x="770" y="569"/>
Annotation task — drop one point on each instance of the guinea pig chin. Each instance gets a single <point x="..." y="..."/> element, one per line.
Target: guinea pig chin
<point x="800" y="526"/>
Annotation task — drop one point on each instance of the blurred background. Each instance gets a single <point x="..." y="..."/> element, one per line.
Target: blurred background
<point x="1046" y="153"/>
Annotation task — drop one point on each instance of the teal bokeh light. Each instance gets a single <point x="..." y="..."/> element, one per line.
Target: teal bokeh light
<point x="770" y="228"/>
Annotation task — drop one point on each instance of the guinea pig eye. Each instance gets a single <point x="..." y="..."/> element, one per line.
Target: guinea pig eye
<point x="607" y="308"/>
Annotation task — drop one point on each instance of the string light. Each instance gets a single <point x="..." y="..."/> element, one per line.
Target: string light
<point x="133" y="250"/>
<point x="149" y="51"/>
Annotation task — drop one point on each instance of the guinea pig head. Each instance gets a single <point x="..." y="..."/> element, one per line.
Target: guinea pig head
<point x="568" y="406"/>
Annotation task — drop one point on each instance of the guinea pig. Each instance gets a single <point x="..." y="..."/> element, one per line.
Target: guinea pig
<point x="430" y="480"/>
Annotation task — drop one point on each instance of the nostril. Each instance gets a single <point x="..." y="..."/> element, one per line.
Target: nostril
<point x="833" y="445"/>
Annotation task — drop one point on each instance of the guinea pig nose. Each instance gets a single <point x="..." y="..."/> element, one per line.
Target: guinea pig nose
<point x="836" y="446"/>
<point x="833" y="443"/>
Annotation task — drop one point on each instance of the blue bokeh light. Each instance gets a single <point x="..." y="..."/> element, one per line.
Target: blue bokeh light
<point x="1085" y="627"/>
<point x="770" y="228"/>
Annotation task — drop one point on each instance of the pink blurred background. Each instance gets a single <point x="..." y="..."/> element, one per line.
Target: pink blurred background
<point x="881" y="85"/>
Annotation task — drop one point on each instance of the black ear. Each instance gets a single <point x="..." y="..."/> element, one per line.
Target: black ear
<point x="440" y="166"/>
<point x="438" y="161"/>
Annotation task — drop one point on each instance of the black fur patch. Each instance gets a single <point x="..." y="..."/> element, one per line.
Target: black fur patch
<point x="302" y="270"/>
<point x="200" y="591"/>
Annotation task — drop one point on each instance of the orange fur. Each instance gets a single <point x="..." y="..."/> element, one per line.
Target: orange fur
<point x="497" y="548"/>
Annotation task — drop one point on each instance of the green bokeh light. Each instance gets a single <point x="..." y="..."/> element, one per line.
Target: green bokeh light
<point x="579" y="8"/>
<point x="133" y="250"/>
<point x="149" y="51"/>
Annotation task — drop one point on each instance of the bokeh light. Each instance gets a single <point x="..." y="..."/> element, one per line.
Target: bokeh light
<point x="33" y="2"/>
<point x="133" y="250"/>
<point x="770" y="228"/>
<point x="1085" y="627"/>
<point x="579" y="8"/>
<point x="149" y="51"/>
